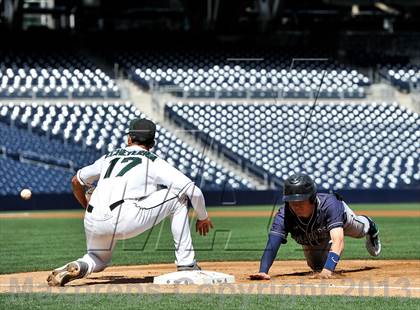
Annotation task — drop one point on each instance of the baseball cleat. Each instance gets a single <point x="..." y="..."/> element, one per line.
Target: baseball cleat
<point x="373" y="243"/>
<point x="189" y="267"/>
<point x="71" y="271"/>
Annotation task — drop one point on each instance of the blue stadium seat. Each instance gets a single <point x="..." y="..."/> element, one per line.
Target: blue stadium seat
<point x="68" y="136"/>
<point x="203" y="74"/>
<point x="17" y="175"/>
<point x="352" y="145"/>
<point x="53" y="76"/>
<point x="405" y="77"/>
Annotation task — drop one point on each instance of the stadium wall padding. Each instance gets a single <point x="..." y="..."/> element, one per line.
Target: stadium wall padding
<point x="214" y="198"/>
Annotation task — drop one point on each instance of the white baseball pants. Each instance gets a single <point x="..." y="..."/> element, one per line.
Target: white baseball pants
<point x="104" y="227"/>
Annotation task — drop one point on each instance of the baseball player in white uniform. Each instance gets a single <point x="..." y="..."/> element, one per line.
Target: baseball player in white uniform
<point x="127" y="201"/>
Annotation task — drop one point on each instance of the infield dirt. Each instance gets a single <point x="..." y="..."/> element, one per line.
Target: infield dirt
<point x="354" y="278"/>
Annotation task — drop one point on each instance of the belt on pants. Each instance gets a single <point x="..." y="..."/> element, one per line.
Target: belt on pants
<point x="111" y="207"/>
<point x="115" y="204"/>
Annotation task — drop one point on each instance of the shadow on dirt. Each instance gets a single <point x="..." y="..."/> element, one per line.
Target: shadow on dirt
<point x="115" y="280"/>
<point x="338" y="272"/>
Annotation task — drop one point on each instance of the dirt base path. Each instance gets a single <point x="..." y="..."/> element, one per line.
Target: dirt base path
<point x="353" y="278"/>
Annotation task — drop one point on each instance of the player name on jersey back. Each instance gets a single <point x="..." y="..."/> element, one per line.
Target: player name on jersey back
<point x="123" y="152"/>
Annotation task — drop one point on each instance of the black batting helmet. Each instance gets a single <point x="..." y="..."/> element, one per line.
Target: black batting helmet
<point x="299" y="187"/>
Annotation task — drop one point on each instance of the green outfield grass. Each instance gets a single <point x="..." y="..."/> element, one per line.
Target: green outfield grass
<point x="43" y="244"/>
<point x="193" y="301"/>
<point x="356" y="206"/>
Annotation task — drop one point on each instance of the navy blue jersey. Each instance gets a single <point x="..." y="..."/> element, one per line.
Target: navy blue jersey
<point x="328" y="214"/>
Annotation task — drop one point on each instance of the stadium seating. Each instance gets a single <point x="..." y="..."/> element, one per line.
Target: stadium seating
<point x="16" y="175"/>
<point x="53" y="76"/>
<point x="405" y="77"/>
<point x="30" y="145"/>
<point x="219" y="76"/>
<point x="68" y="136"/>
<point x="348" y="145"/>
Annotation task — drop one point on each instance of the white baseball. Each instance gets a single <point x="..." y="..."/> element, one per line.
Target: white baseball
<point x="26" y="194"/>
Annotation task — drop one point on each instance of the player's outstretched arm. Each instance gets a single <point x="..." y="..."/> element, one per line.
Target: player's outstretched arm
<point x="337" y="246"/>
<point x="181" y="185"/>
<point x="270" y="253"/>
<point x="337" y="238"/>
<point x="78" y="192"/>
<point x="195" y="195"/>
